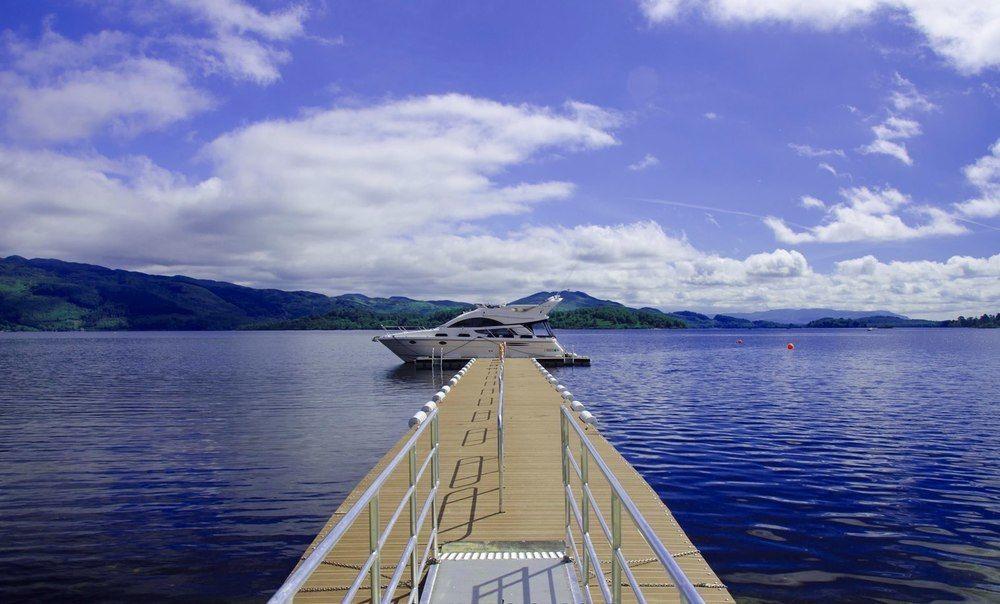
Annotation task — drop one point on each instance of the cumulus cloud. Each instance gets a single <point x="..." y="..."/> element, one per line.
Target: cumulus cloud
<point x="646" y="162"/>
<point x="59" y="89"/>
<point x="291" y="192"/>
<point x="966" y="34"/>
<point x="867" y="215"/>
<point x="403" y="197"/>
<point x="984" y="174"/>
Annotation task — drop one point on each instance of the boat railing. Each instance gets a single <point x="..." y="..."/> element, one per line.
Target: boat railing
<point x="377" y="536"/>
<point x="589" y="563"/>
<point x="398" y="328"/>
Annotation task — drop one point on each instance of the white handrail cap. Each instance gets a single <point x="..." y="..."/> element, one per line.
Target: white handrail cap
<point x="446" y="389"/>
<point x="576" y="406"/>
<point x="560" y="387"/>
<point x="418" y="418"/>
<point x="452" y="381"/>
<point x="567" y="395"/>
<point x="438" y="396"/>
<point x="588" y="417"/>
<point x="429" y="406"/>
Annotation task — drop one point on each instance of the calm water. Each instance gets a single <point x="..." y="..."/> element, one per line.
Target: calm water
<point x="862" y="466"/>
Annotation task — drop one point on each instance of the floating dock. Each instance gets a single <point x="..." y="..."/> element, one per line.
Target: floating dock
<point x="502" y="490"/>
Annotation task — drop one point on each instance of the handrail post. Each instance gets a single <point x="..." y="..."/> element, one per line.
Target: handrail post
<point x="564" y="434"/>
<point x="616" y="546"/>
<point x="413" y="520"/>
<point x="500" y="450"/>
<point x="585" y="484"/>
<point x="373" y="548"/>
<point x="435" y="481"/>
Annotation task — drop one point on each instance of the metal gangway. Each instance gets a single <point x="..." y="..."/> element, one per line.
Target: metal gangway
<point x="514" y="553"/>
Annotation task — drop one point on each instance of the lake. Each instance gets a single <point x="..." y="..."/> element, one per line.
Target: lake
<point x="861" y="466"/>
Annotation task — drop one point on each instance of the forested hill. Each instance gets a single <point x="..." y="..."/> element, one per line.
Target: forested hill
<point x="45" y="294"/>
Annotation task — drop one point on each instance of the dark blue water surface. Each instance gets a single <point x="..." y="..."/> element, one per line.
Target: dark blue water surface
<point x="862" y="466"/>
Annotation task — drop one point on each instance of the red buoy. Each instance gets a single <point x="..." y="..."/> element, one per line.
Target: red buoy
<point x="791" y="346"/>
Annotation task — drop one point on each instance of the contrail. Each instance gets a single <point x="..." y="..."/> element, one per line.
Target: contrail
<point x="664" y="202"/>
<point x="679" y="204"/>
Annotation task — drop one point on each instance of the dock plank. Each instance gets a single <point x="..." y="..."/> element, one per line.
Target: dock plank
<point x="534" y="509"/>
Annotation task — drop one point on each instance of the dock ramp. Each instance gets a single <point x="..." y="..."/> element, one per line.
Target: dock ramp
<point x="503" y="490"/>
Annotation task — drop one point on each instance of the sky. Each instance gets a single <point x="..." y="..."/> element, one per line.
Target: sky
<point x="711" y="155"/>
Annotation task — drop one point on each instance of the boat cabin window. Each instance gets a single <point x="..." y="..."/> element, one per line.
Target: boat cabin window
<point x="476" y="322"/>
<point x="527" y="337"/>
<point x="463" y="335"/>
<point x="541" y="329"/>
<point x="440" y="335"/>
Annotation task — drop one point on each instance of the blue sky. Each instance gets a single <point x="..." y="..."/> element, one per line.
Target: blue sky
<point x="713" y="155"/>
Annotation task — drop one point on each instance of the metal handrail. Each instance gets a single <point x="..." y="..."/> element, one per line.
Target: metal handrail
<point x="376" y="541"/>
<point x="500" y="449"/>
<point x="619" y="499"/>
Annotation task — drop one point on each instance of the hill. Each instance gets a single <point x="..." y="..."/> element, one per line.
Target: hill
<point x="874" y="321"/>
<point x="802" y="316"/>
<point x="43" y="294"/>
<point x="572" y="300"/>
<point x="55" y="295"/>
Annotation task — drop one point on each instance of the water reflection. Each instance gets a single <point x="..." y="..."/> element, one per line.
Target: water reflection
<point x="860" y="466"/>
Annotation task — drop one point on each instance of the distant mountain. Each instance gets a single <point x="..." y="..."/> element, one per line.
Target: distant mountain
<point x="802" y="316"/>
<point x="572" y="300"/>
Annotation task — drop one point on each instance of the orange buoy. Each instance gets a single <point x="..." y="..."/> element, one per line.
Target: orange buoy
<point x="791" y="346"/>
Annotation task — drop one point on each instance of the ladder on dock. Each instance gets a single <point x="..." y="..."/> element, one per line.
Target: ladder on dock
<point x="502" y="491"/>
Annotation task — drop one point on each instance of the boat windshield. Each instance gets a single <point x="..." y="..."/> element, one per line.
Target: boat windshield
<point x="541" y="329"/>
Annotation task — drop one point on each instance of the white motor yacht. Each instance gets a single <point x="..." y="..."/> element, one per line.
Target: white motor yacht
<point x="524" y="328"/>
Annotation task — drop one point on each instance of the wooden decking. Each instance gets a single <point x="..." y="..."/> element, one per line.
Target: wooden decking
<point x="534" y="505"/>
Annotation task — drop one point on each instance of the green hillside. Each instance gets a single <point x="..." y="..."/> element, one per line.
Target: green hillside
<point x="42" y="294"/>
<point x="56" y="295"/>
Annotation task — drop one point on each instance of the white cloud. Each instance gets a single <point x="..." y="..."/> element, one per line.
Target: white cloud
<point x="59" y="89"/>
<point x="887" y="135"/>
<point x="245" y="43"/>
<point x="867" y="215"/>
<point x="711" y="115"/>
<point x="984" y="174"/>
<point x="965" y="33"/>
<point x="828" y="168"/>
<point x="402" y="198"/>
<point x="282" y="190"/>
<point x="906" y="97"/>
<point x="646" y="162"/>
<point x="810" y="151"/>
<point x="810" y="202"/>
